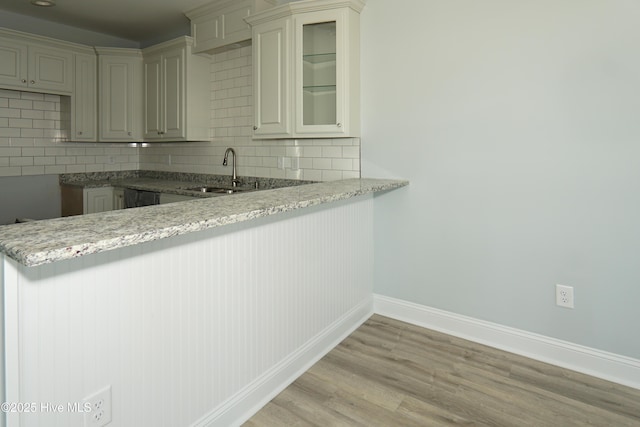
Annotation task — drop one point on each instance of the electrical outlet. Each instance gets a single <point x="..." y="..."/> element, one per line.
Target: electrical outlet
<point x="564" y="296"/>
<point x="100" y="413"/>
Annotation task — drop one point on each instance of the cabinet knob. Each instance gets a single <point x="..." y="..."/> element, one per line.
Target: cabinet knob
<point x="32" y="82"/>
<point x="339" y="125"/>
<point x="24" y="80"/>
<point x="255" y="128"/>
<point x="129" y="133"/>
<point x="79" y="132"/>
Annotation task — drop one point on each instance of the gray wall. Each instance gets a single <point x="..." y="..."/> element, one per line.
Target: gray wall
<point x="517" y="124"/>
<point x="41" y="27"/>
<point x="35" y="197"/>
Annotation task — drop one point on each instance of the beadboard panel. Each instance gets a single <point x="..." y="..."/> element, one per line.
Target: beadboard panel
<point x="180" y="327"/>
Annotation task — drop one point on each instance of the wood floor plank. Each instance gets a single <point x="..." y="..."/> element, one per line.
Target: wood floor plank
<point x="390" y="373"/>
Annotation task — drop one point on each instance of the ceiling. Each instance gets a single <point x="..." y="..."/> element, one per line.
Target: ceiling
<point x="136" y="20"/>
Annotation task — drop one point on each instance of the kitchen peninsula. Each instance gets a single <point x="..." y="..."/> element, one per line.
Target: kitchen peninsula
<point x="191" y="313"/>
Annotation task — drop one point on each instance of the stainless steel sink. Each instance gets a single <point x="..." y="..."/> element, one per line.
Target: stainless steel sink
<point x="217" y="190"/>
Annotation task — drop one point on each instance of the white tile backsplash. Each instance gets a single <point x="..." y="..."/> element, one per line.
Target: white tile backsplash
<point x="31" y="134"/>
<point x="32" y="138"/>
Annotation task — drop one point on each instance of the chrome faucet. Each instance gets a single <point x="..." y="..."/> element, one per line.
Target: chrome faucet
<point x="234" y="176"/>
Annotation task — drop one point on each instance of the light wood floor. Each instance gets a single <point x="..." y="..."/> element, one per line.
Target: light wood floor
<point x="390" y="373"/>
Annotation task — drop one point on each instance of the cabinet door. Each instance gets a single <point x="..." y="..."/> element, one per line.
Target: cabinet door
<point x="217" y="24"/>
<point x="13" y="64"/>
<point x="50" y="69"/>
<point x="120" y="98"/>
<point x="153" y="97"/>
<point x="320" y="72"/>
<point x="173" y="67"/>
<point x="234" y="28"/>
<point x="272" y="78"/>
<point x="118" y="198"/>
<point x="71" y="200"/>
<point x="165" y="95"/>
<point x="98" y="199"/>
<point x="84" y="119"/>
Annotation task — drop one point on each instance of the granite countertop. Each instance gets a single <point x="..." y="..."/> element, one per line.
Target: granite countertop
<point x="172" y="182"/>
<point x="41" y="242"/>
<point x="155" y="185"/>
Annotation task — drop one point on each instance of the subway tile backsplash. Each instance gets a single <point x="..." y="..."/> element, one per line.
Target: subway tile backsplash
<point x="32" y="140"/>
<point x="33" y="132"/>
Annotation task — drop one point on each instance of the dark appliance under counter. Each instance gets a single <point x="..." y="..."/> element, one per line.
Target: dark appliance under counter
<point x="139" y="198"/>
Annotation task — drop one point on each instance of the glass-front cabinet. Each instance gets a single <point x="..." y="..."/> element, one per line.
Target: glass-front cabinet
<point x="307" y="70"/>
<point x="318" y="76"/>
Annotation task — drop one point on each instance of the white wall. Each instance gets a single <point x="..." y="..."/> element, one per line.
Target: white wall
<point x="517" y="125"/>
<point x="200" y="329"/>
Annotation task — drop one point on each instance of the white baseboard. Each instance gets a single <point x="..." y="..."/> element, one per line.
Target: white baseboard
<point x="239" y="408"/>
<point x="609" y="366"/>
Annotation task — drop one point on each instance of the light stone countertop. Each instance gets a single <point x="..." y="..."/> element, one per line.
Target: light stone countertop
<point x="41" y="242"/>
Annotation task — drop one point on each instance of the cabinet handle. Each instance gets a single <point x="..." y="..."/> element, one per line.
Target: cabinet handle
<point x="339" y="125"/>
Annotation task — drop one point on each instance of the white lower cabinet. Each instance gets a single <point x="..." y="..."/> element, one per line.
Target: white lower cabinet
<point x="98" y="199"/>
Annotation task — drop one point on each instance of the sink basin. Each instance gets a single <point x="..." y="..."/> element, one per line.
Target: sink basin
<point x="218" y="190"/>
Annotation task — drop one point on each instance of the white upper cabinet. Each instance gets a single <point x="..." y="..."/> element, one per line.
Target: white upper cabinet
<point x="13" y="64"/>
<point x="84" y="105"/>
<point x="271" y="78"/>
<point x="176" y="93"/>
<point x="31" y="64"/>
<point x="120" y="88"/>
<point x="221" y="23"/>
<point x="307" y="70"/>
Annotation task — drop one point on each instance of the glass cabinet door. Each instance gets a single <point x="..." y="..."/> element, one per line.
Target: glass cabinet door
<point x="306" y="68"/>
<point x="319" y="74"/>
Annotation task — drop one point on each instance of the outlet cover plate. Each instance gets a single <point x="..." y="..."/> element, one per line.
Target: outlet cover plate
<point x="100" y="413"/>
<point x="564" y="296"/>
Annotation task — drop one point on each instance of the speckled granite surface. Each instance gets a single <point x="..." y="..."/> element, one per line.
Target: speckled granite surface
<point x="170" y="182"/>
<point x="42" y="242"/>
